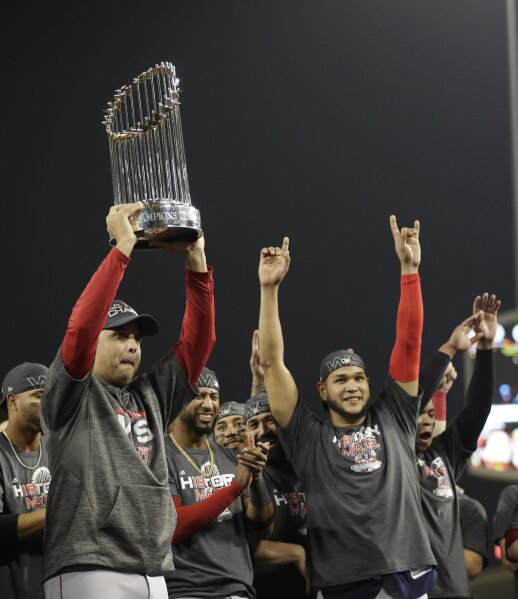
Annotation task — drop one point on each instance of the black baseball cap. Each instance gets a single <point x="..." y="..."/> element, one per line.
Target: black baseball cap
<point x="208" y="379"/>
<point x="120" y="313"/>
<point x="257" y="404"/>
<point x="24" y="377"/>
<point x="336" y="360"/>
<point x="231" y="408"/>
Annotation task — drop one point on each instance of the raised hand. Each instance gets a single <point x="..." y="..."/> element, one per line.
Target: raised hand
<point x="407" y="245"/>
<point x="274" y="264"/>
<point x="119" y="224"/>
<point x="448" y="378"/>
<point x="251" y="461"/>
<point x="489" y="306"/>
<point x="460" y="339"/>
<point x="192" y="251"/>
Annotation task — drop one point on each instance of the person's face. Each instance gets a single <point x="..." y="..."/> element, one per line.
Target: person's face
<point x="199" y="414"/>
<point x="347" y="393"/>
<point x="262" y="427"/>
<point x="231" y="432"/>
<point x="25" y="409"/>
<point x="425" y="426"/>
<point x="118" y="354"/>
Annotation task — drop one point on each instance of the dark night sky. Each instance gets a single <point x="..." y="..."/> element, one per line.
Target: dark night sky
<point x="312" y="119"/>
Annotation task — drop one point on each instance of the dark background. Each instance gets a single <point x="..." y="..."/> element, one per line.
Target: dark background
<point x="312" y="119"/>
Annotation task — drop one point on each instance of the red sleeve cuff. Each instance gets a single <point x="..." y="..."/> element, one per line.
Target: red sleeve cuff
<point x="439" y="405"/>
<point x="235" y="485"/>
<point x="407" y="279"/>
<point x="200" y="276"/>
<point x="120" y="255"/>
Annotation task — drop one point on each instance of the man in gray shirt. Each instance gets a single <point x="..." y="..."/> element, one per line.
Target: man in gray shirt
<point x="110" y="518"/>
<point x="220" y="497"/>
<point x="24" y="484"/>
<point x="366" y="532"/>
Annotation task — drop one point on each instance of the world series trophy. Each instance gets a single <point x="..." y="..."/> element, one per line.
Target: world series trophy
<point x="148" y="159"/>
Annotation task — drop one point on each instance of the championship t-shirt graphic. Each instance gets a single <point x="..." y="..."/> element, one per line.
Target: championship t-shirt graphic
<point x="437" y="473"/>
<point x="32" y="495"/>
<point x="204" y="486"/>
<point x="363" y="448"/>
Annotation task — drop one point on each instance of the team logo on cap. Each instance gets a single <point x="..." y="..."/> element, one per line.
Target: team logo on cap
<point x="338" y="363"/>
<point x="208" y="378"/>
<point x="120" y="308"/>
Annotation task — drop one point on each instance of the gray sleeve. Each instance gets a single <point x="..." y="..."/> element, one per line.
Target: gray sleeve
<point x="172" y="470"/>
<point x="8" y="522"/>
<point x="474" y="527"/>
<point x="171" y="387"/>
<point x="62" y="396"/>
<point x="300" y="435"/>
<point x="404" y="408"/>
<point x="507" y="503"/>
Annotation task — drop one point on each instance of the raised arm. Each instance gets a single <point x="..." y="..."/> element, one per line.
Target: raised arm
<point x="89" y="314"/>
<point x="259" y="508"/>
<point x="280" y="386"/>
<point x="439" y="399"/>
<point x="434" y="377"/>
<point x="404" y="361"/>
<point x="198" y="334"/>
<point x="255" y="367"/>
<point x="198" y="516"/>
<point x="479" y="395"/>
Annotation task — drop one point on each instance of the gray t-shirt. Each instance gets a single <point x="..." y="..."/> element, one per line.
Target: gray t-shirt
<point x="438" y="469"/>
<point x="22" y="491"/>
<point x="109" y="505"/>
<point x="214" y="561"/>
<point x="507" y="505"/>
<point x="474" y="526"/>
<point x="364" y="506"/>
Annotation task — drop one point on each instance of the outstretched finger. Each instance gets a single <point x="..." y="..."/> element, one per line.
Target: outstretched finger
<point x="393" y="225"/>
<point x="250" y="442"/>
<point x="255" y="342"/>
<point x="476" y="304"/>
<point x="472" y="320"/>
<point x="286" y="244"/>
<point x="417" y="227"/>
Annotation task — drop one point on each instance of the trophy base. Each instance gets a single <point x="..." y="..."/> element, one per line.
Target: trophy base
<point x="165" y="220"/>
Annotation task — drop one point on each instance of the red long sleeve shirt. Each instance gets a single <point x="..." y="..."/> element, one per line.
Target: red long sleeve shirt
<point x="88" y="318"/>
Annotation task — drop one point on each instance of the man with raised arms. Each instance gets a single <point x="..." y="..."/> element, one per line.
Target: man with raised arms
<point x="110" y="518"/>
<point x="367" y="536"/>
<point x="441" y="459"/>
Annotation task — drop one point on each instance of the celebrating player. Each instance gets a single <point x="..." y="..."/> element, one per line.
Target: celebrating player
<point x="218" y="497"/>
<point x="110" y="518"/>
<point x="366" y="530"/>
<point x="441" y="459"/>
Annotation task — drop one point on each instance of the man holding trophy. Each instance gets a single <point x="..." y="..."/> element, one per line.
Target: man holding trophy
<point x="110" y="518"/>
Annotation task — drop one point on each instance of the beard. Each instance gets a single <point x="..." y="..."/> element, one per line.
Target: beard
<point x="32" y="419"/>
<point x="200" y="428"/>
<point x="335" y="406"/>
